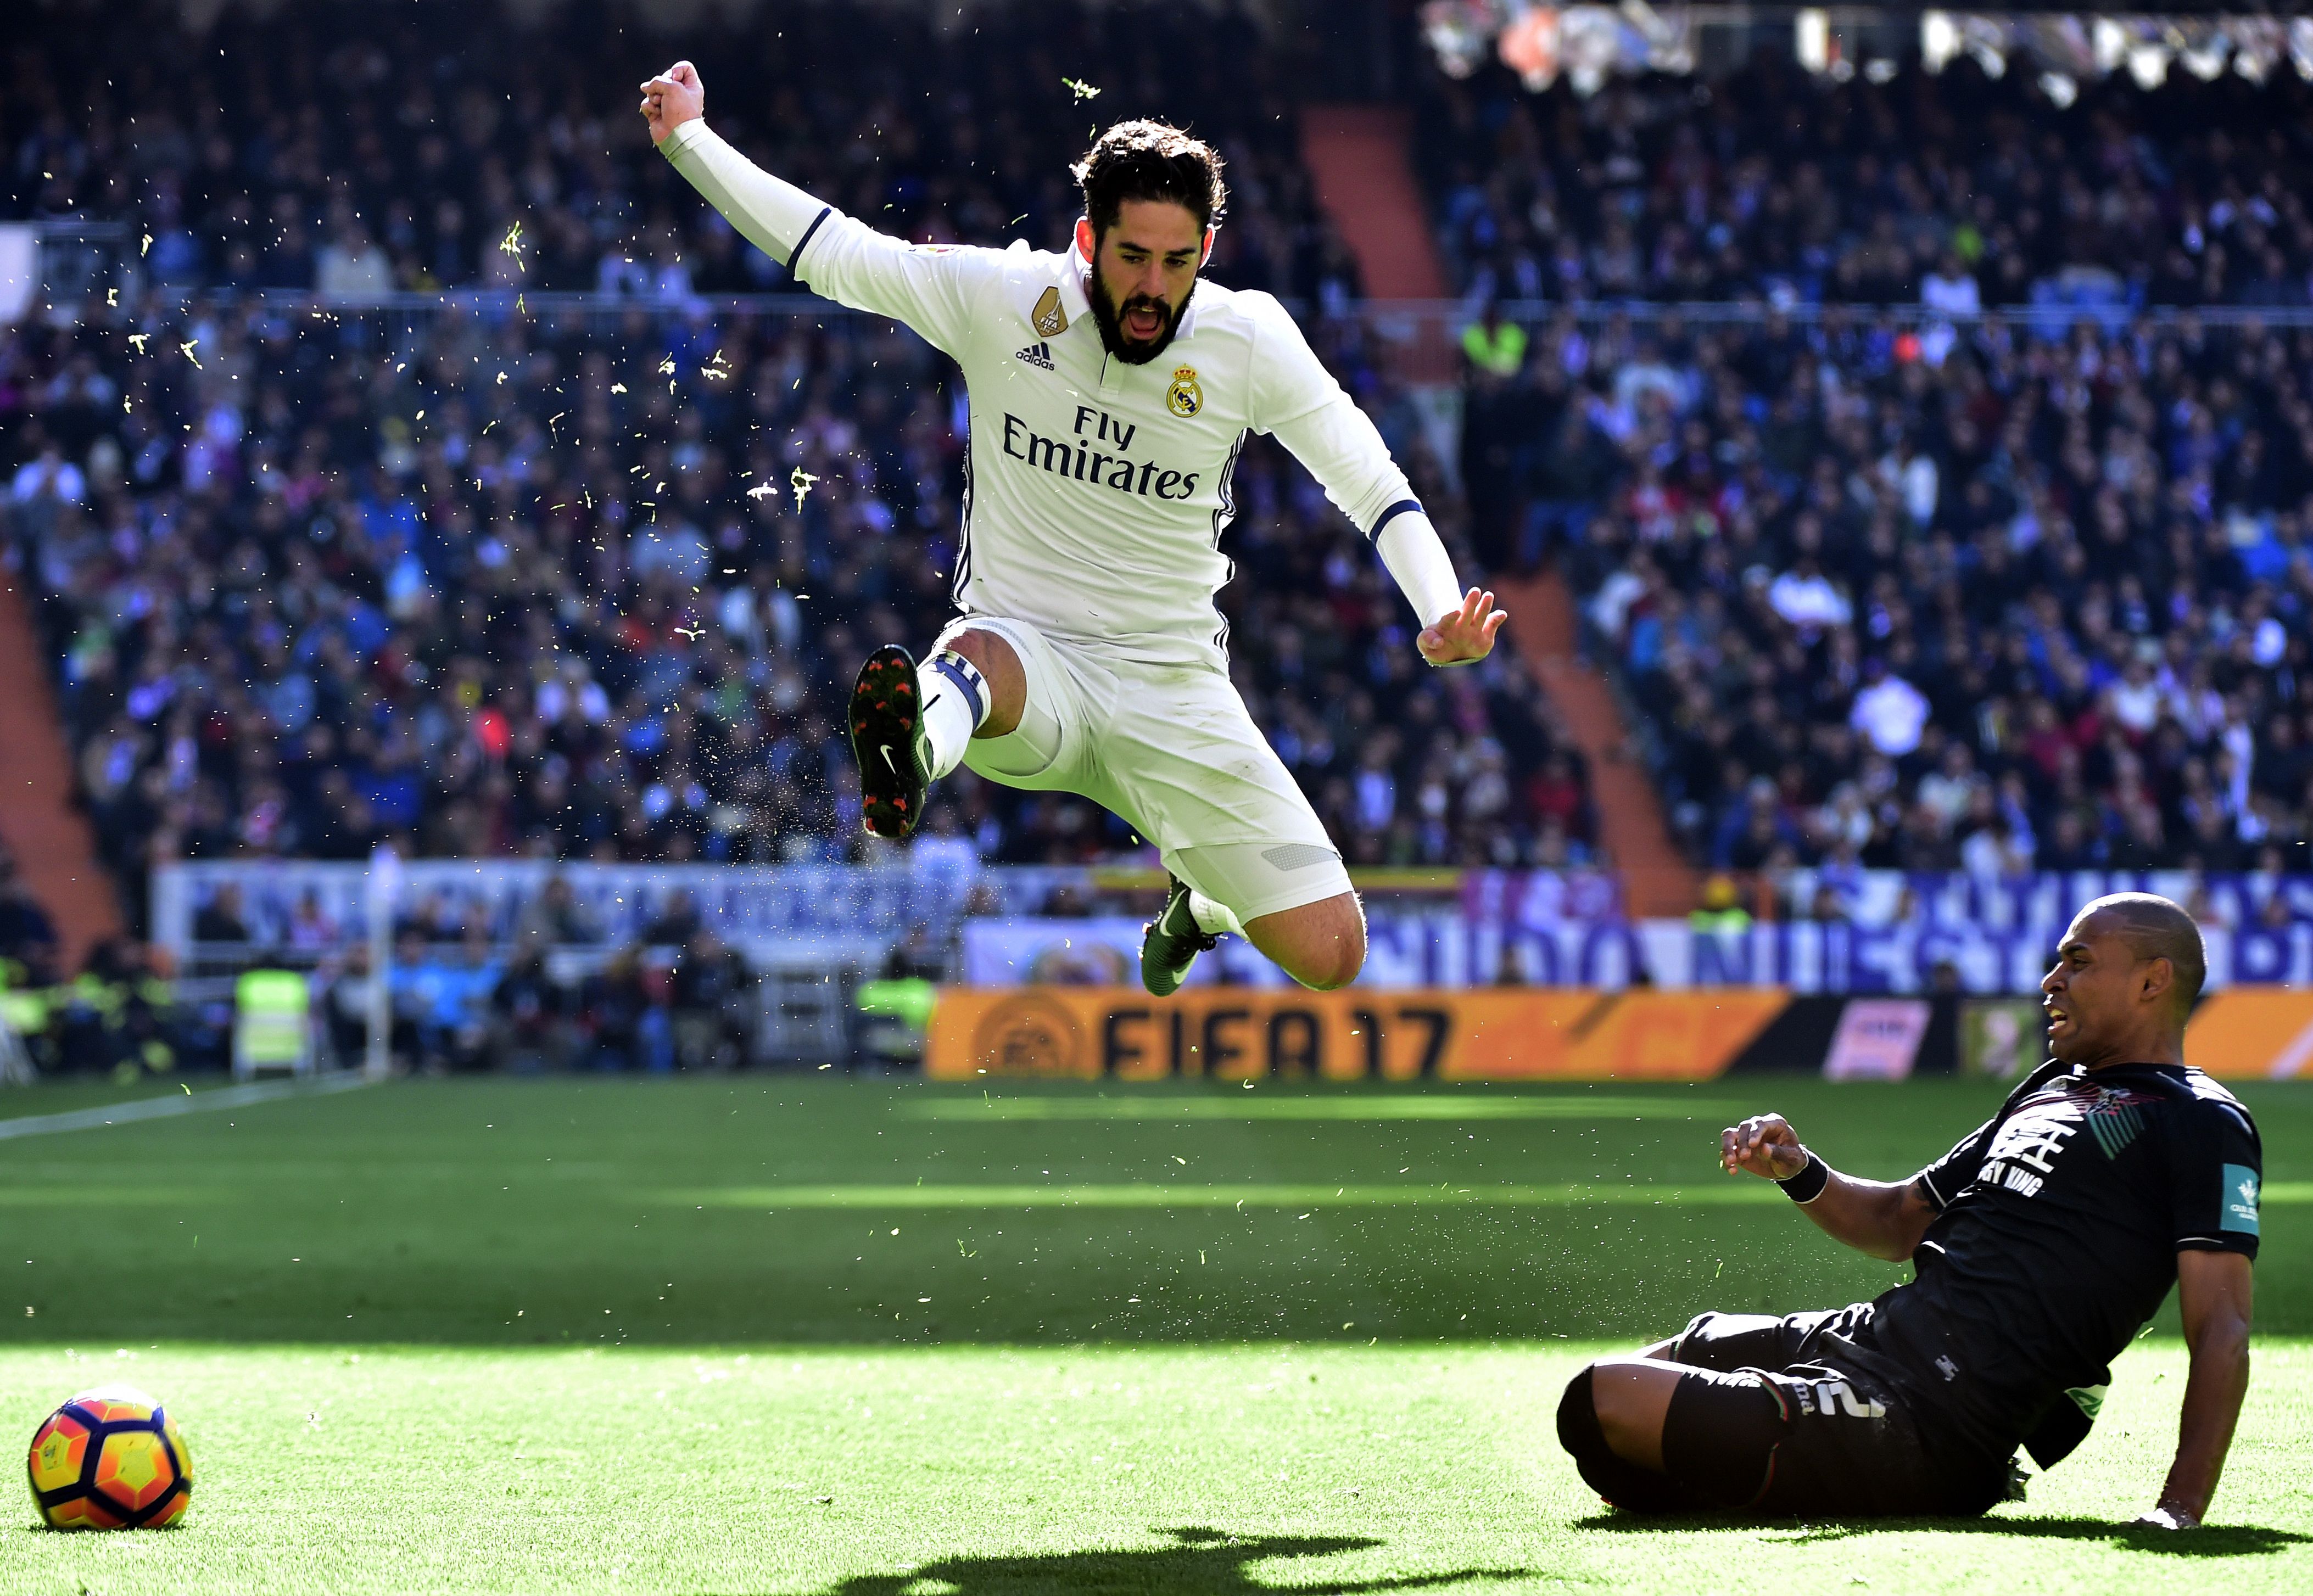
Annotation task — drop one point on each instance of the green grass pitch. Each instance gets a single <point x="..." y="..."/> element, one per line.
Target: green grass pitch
<point x="769" y="1333"/>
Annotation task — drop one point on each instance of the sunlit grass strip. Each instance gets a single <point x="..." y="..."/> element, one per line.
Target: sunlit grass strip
<point x="1742" y="1192"/>
<point x="1733" y="1193"/>
<point x="1250" y="1105"/>
<point x="1152" y="1196"/>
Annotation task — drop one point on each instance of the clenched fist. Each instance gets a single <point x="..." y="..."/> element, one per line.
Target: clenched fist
<point x="1765" y="1145"/>
<point x="673" y="98"/>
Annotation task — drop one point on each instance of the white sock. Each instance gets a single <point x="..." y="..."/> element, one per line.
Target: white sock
<point x="1212" y="918"/>
<point x="954" y="697"/>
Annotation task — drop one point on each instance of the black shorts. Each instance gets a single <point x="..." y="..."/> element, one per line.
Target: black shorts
<point x="1850" y="1443"/>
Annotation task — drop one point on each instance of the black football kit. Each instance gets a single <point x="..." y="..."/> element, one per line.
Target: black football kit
<point x="2059" y="1221"/>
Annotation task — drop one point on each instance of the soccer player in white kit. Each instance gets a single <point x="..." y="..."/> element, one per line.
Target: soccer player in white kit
<point x="1110" y="390"/>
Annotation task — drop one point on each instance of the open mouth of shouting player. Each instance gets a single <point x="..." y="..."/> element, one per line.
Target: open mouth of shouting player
<point x="1136" y="331"/>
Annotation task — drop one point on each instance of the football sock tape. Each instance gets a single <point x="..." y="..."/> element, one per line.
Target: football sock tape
<point x="1213" y="917"/>
<point x="954" y="697"/>
<point x="967" y="679"/>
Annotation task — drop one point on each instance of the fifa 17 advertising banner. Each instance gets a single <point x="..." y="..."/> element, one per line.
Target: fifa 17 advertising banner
<point x="1240" y="1033"/>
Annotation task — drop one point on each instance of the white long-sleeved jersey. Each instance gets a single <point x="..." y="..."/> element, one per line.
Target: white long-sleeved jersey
<point x="1095" y="491"/>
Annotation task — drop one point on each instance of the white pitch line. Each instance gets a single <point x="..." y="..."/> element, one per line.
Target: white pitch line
<point x="184" y="1103"/>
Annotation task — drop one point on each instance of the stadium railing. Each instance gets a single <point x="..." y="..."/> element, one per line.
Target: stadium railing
<point x="80" y="259"/>
<point x="1808" y="930"/>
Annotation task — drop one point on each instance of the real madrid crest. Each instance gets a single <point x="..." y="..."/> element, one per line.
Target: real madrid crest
<point x="1185" y="399"/>
<point x="1048" y="319"/>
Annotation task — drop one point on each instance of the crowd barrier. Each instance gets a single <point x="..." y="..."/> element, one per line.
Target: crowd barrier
<point x="1448" y="948"/>
<point x="1890" y="933"/>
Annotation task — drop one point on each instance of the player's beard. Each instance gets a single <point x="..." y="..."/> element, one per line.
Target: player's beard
<point x="1110" y="317"/>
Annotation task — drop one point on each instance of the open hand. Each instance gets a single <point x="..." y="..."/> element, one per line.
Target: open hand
<point x="1466" y="635"/>
<point x="1765" y="1144"/>
<point x="673" y="98"/>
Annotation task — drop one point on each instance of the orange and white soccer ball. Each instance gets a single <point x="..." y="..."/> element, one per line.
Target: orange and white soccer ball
<point x="111" y="1460"/>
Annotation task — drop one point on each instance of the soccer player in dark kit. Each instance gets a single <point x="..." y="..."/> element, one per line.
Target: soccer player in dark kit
<point x="2040" y="1245"/>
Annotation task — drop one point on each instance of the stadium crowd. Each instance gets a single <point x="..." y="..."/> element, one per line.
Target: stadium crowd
<point x="341" y="148"/>
<point x="581" y="582"/>
<point x="1968" y="599"/>
<point x="1951" y="190"/>
<point x="1923" y="590"/>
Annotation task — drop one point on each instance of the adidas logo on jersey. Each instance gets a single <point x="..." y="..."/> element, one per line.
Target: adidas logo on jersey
<point x="1036" y="355"/>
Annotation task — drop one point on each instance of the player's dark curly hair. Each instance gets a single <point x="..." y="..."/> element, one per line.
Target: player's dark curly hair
<point x="1146" y="160"/>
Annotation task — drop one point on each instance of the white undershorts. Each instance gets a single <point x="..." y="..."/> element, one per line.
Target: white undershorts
<point x="1171" y="749"/>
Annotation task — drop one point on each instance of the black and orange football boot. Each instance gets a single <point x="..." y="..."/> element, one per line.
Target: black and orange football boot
<point x="888" y="739"/>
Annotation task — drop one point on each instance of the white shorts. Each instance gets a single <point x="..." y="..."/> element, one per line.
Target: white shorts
<point x="1171" y="749"/>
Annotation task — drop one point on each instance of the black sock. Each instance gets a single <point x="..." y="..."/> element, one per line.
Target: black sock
<point x="1719" y="1437"/>
<point x="1624" y="1484"/>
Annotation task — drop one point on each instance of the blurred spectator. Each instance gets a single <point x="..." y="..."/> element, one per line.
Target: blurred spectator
<point x="352" y="266"/>
<point x="1888" y="711"/>
<point x="610" y="1011"/>
<point x="1492" y="345"/>
<point x="526" y="1016"/>
<point x="554" y="918"/>
<point x="1065" y="901"/>
<point x="713" y="998"/>
<point x="220" y="919"/>
<point x="311" y="928"/>
<point x="28" y="936"/>
<point x="676" y="922"/>
<point x="344" y="980"/>
<point x="444" y="997"/>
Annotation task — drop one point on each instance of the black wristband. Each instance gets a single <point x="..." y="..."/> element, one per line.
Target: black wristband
<point x="1808" y="1185"/>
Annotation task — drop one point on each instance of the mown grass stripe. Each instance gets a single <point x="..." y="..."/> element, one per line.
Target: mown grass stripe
<point x="1741" y="1193"/>
<point x="1151" y="1196"/>
<point x="67" y="1193"/>
<point x="1351" y="1104"/>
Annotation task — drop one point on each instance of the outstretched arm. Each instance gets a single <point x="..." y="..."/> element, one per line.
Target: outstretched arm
<point x="1883" y="1218"/>
<point x="774" y="215"/>
<point x="1298" y="401"/>
<point x="2214" y="1289"/>
<point x="846" y="260"/>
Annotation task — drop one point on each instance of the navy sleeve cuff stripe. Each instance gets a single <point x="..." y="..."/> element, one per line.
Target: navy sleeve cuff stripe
<point x="804" y="242"/>
<point x="1394" y="511"/>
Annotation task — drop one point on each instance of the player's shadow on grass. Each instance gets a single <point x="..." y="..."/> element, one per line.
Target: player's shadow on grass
<point x="2217" y="1541"/>
<point x="1207" y="1562"/>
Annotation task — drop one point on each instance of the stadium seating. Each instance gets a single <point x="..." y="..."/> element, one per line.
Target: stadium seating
<point x="1950" y="190"/>
<point x="1889" y="585"/>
